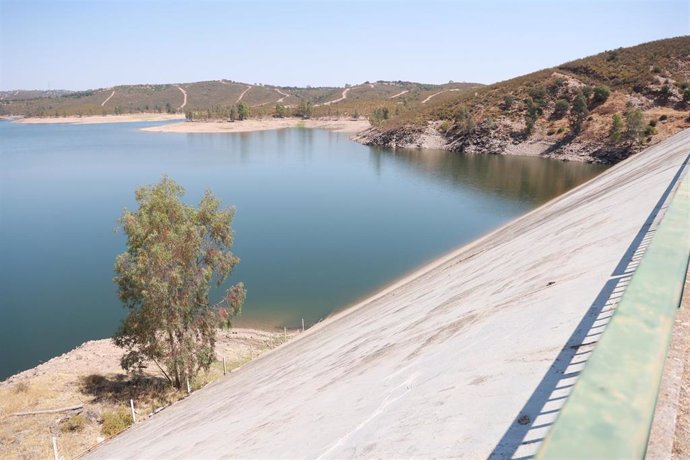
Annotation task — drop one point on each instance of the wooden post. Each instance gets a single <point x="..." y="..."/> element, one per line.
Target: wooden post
<point x="284" y="333"/>
<point x="189" y="389"/>
<point x="224" y="369"/>
<point x="302" y="324"/>
<point x="131" y="405"/>
<point x="55" y="451"/>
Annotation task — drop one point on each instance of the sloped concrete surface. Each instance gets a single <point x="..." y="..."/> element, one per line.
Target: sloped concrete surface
<point x="439" y="364"/>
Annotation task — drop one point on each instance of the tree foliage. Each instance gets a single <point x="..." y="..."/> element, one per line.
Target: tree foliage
<point x="616" y="131"/>
<point x="634" y="124"/>
<point x="578" y="113"/>
<point x="242" y="111"/>
<point x="174" y="253"/>
<point x="304" y="109"/>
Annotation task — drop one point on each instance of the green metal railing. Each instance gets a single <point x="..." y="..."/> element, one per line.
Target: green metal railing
<point x="611" y="408"/>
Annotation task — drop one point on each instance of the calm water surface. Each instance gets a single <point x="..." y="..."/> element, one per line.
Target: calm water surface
<point x="321" y="221"/>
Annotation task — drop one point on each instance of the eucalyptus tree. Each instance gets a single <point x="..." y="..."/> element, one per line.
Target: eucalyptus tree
<point x="175" y="253"/>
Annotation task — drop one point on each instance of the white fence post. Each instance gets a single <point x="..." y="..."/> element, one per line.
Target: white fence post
<point x="131" y="405"/>
<point x="224" y="369"/>
<point x="302" y="324"/>
<point x="55" y="451"/>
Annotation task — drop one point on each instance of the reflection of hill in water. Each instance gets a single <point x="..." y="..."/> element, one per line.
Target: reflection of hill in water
<point x="527" y="178"/>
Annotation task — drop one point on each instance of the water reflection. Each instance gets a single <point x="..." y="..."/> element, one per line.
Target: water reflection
<point x="523" y="178"/>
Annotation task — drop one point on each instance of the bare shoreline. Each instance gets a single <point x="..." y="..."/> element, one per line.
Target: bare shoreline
<point x="342" y="125"/>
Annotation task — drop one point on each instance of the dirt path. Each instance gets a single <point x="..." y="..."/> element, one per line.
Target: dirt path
<point x="440" y="92"/>
<point x="243" y="93"/>
<point x="341" y="98"/>
<point x="399" y="94"/>
<point x="282" y="94"/>
<point x="184" y="101"/>
<point x="108" y="98"/>
<point x="439" y="364"/>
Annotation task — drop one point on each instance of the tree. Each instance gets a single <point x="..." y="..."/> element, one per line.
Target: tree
<point x="533" y="111"/>
<point x="578" y="113"/>
<point x="281" y="111"/>
<point x="174" y="253"/>
<point x="634" y="124"/>
<point x="616" y="128"/>
<point x="304" y="109"/>
<point x="242" y="111"/>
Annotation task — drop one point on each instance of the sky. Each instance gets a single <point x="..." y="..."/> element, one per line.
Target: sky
<point x="84" y="44"/>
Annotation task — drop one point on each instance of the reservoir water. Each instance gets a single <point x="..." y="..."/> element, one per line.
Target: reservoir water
<point x="321" y="221"/>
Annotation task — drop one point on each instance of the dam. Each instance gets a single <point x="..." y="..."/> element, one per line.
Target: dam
<point x="463" y="358"/>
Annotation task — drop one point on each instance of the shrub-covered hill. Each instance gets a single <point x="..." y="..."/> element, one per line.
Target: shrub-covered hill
<point x="217" y="99"/>
<point x="600" y="108"/>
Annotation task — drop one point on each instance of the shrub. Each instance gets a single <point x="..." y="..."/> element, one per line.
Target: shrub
<point x="463" y="118"/>
<point x="652" y="123"/>
<point x="74" y="423"/>
<point x="561" y="108"/>
<point x="538" y="94"/>
<point x="601" y="94"/>
<point x="21" y="387"/>
<point x="663" y="118"/>
<point x="116" y="421"/>
<point x="507" y="102"/>
<point x="561" y="130"/>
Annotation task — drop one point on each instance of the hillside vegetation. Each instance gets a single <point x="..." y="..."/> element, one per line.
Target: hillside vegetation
<point x="601" y="108"/>
<point x="221" y="99"/>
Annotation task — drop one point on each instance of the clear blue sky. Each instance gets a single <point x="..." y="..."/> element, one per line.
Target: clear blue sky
<point x="62" y="44"/>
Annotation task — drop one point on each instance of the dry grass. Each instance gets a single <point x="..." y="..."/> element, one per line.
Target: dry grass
<point x="89" y="375"/>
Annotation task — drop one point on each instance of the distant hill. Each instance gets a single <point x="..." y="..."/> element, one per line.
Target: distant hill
<point x="645" y="85"/>
<point x="19" y="95"/>
<point x="215" y="98"/>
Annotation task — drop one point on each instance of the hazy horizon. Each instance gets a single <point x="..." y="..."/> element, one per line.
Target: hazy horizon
<point x="79" y="45"/>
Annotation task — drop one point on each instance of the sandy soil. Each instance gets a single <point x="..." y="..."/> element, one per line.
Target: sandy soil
<point x="96" y="119"/>
<point x="342" y="125"/>
<point x="67" y="380"/>
<point x="442" y="363"/>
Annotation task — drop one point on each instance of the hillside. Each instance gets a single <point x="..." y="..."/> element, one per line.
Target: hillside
<point x="215" y="99"/>
<point x="565" y="112"/>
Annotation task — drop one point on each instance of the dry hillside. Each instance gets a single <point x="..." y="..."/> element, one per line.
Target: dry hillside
<point x="566" y="112"/>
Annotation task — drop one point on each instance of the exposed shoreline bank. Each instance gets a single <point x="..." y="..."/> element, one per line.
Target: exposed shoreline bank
<point x="341" y="125"/>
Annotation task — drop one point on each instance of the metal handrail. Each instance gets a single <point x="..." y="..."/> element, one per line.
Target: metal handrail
<point x="610" y="411"/>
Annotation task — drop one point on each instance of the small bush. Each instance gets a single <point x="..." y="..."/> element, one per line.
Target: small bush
<point x="652" y="123"/>
<point x="21" y="387"/>
<point x="116" y="421"/>
<point x="74" y="423"/>
<point x="561" y="130"/>
<point x="561" y="109"/>
<point x="663" y="118"/>
<point x="601" y="94"/>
